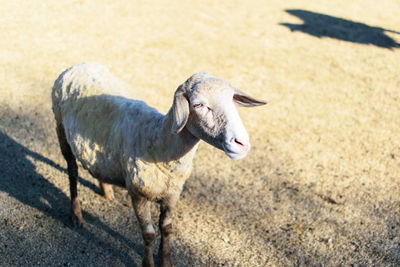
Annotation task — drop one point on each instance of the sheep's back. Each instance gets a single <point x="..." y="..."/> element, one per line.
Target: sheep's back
<point x="89" y="79"/>
<point x="98" y="120"/>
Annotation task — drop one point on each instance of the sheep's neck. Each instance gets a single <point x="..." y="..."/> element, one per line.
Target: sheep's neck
<point x="168" y="146"/>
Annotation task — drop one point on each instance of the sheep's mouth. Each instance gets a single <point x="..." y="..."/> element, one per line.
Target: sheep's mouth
<point x="235" y="155"/>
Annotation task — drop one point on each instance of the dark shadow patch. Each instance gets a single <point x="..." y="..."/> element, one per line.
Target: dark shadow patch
<point x="20" y="180"/>
<point x="321" y="25"/>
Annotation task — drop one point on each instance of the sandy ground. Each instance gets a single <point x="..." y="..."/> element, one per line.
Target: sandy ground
<point x="321" y="185"/>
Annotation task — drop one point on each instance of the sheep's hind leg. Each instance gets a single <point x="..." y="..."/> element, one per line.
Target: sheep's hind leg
<point x="142" y="209"/>
<point x="108" y="191"/>
<point x="76" y="213"/>
<point x="165" y="224"/>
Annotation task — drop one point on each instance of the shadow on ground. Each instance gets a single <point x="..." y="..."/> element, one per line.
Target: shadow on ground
<point x="321" y="25"/>
<point x="21" y="181"/>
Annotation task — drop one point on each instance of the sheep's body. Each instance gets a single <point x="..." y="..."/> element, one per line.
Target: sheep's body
<point x="127" y="143"/>
<point x="122" y="145"/>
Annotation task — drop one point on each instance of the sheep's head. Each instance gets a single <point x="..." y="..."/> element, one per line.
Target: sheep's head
<point x="205" y="105"/>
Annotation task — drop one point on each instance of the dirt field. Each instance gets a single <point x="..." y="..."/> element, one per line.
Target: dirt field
<point x="321" y="185"/>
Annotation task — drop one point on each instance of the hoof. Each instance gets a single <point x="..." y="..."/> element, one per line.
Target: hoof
<point x="108" y="191"/>
<point x="76" y="222"/>
<point x="109" y="196"/>
<point x="167" y="262"/>
<point x="147" y="263"/>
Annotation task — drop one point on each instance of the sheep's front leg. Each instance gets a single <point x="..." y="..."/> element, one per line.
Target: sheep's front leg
<point x="166" y="208"/>
<point x="142" y="209"/>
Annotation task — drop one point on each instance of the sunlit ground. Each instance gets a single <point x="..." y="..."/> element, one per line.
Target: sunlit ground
<point x="321" y="184"/>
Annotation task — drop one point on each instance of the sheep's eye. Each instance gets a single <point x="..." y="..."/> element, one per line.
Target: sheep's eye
<point x="200" y="105"/>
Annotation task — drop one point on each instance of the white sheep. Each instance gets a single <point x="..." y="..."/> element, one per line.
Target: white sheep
<point x="125" y="142"/>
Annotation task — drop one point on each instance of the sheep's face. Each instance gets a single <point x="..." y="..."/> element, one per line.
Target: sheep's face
<point x="212" y="115"/>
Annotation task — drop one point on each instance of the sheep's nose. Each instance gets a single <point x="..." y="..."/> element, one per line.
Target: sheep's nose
<point x="242" y="143"/>
<point x="237" y="148"/>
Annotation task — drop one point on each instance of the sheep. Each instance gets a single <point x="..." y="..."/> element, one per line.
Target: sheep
<point x="127" y="143"/>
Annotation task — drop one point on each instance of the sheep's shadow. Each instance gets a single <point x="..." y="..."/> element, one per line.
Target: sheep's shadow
<point x="21" y="181"/>
<point x="321" y="25"/>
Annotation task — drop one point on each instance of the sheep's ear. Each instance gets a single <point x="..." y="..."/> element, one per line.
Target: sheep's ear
<point x="245" y="100"/>
<point x="180" y="111"/>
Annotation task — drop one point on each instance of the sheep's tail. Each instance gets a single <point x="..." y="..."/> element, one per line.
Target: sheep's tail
<point x="56" y="97"/>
